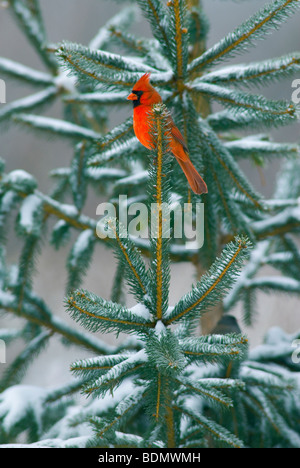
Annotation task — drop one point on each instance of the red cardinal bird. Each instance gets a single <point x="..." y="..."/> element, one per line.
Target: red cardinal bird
<point x="144" y="96"/>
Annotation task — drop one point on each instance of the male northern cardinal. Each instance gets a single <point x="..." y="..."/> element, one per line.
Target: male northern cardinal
<point x="144" y="96"/>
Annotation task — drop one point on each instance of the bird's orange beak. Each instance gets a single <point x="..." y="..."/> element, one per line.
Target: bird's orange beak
<point x="132" y="97"/>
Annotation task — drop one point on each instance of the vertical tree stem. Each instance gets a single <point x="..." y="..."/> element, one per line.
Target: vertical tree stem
<point x="170" y="427"/>
<point x="158" y="396"/>
<point x="159" y="273"/>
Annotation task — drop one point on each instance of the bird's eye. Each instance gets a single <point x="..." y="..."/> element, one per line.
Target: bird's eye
<point x="138" y="93"/>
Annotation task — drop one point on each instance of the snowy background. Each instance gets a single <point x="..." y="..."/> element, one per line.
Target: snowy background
<point x="79" y="21"/>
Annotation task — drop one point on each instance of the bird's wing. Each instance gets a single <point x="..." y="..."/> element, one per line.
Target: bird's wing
<point x="176" y="134"/>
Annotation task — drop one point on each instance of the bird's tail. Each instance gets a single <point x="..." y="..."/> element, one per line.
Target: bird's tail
<point x="195" y="180"/>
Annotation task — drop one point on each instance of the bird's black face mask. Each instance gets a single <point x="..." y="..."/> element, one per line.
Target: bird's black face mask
<point x="137" y="102"/>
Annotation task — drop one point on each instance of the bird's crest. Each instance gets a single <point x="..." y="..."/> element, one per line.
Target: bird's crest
<point x="143" y="83"/>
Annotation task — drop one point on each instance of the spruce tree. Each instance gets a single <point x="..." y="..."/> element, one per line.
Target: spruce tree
<point x="166" y="385"/>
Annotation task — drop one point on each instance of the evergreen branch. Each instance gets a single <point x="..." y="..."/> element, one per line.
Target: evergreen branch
<point x="260" y="23"/>
<point x="187" y="115"/>
<point x="211" y="234"/>
<point x="292" y="250"/>
<point x="26" y="267"/>
<point x="120" y="134"/>
<point x="122" y="19"/>
<point x="223" y="384"/>
<point x="223" y="196"/>
<point x="30" y="20"/>
<point x="158" y="400"/>
<point x="286" y="221"/>
<point x="29" y="103"/>
<point x="256" y="406"/>
<point x="149" y="50"/>
<point x="257" y="105"/>
<point x="286" y="431"/>
<point x="95" y="314"/>
<point x="155" y="13"/>
<point x="113" y="377"/>
<point x="17" y="369"/>
<point x="92" y="368"/>
<point x="159" y="272"/>
<point x="57" y="127"/>
<point x="65" y="390"/>
<point x="276" y="283"/>
<point x="97" y="98"/>
<point x="178" y="42"/>
<point x="67" y="213"/>
<point x="276" y="204"/>
<point x="227" y="163"/>
<point x="228" y="120"/>
<point x="170" y="424"/>
<point x="55" y="325"/>
<point x="278" y="259"/>
<point x="133" y="180"/>
<point x="117" y="294"/>
<point x="135" y="271"/>
<point x="263" y="405"/>
<point x="8" y="201"/>
<point x="24" y="73"/>
<point x="94" y="67"/>
<point x="211" y="394"/>
<point x="250" y="270"/>
<point x="30" y="218"/>
<point x="33" y="300"/>
<point x="95" y="174"/>
<point x="31" y="221"/>
<point x="169" y="365"/>
<point x="128" y="41"/>
<point x="165" y="354"/>
<point x="10" y="334"/>
<point x="259" y="73"/>
<point x="165" y="361"/>
<point x="288" y="186"/>
<point x="78" y="175"/>
<point x="80" y="258"/>
<point x="211" y="287"/>
<point x="230" y="170"/>
<point x="219" y="433"/>
<point x="60" y="234"/>
<point x="271" y="353"/>
<point x="108" y="428"/>
<point x="225" y="204"/>
<point x="214" y="348"/>
<point x="159" y="249"/>
<point x="256" y="147"/>
<point x="158" y="397"/>
<point x="177" y="252"/>
<point x="257" y="375"/>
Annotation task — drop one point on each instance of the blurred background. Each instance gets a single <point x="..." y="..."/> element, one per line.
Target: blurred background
<point x="78" y="21"/>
